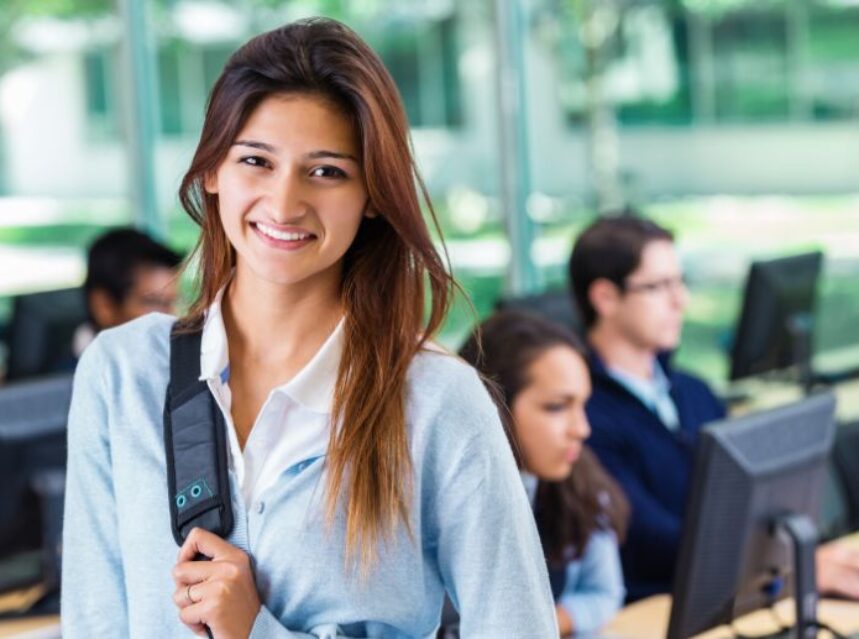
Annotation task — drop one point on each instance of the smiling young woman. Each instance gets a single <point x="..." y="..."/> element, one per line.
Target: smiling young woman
<point x="369" y="471"/>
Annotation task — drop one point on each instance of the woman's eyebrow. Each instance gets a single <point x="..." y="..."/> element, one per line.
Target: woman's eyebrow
<point x="564" y="397"/>
<point x="255" y="145"/>
<point x="313" y="155"/>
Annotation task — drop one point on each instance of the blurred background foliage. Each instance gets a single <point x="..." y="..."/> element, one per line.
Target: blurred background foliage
<point x="729" y="121"/>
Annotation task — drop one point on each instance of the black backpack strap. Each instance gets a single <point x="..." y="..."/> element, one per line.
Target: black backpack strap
<point x="195" y="442"/>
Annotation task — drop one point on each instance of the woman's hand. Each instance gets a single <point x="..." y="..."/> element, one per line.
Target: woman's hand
<point x="565" y="621"/>
<point x="220" y="593"/>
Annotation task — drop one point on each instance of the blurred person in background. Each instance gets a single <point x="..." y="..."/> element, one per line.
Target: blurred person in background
<point x="539" y="373"/>
<point x="646" y="415"/>
<point x="129" y="274"/>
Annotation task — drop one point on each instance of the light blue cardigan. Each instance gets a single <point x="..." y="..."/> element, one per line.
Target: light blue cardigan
<point x="474" y="535"/>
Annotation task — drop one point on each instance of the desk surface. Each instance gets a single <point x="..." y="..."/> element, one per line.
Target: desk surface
<point x="763" y="394"/>
<point x="648" y="619"/>
<point x="12" y="628"/>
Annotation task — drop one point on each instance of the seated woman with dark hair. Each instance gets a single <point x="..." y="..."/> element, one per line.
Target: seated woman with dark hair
<point x="538" y="375"/>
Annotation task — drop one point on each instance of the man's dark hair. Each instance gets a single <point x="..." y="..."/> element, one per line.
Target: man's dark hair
<point x="114" y="257"/>
<point x="610" y="249"/>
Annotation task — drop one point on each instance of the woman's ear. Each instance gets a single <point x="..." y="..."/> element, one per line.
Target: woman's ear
<point x="210" y="183"/>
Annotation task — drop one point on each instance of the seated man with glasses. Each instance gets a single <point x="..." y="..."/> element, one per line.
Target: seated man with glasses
<point x="645" y="415"/>
<point x="128" y="275"/>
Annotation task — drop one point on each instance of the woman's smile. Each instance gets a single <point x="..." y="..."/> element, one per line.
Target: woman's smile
<point x="288" y="238"/>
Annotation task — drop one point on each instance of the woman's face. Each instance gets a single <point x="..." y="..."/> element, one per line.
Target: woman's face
<point x="291" y="190"/>
<point x="549" y="413"/>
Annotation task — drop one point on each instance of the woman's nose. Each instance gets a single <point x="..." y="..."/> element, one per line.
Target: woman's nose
<point x="580" y="428"/>
<point x="286" y="197"/>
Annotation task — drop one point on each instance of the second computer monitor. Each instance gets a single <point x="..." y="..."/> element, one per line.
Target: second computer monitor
<point x="751" y="474"/>
<point x="41" y="332"/>
<point x="775" y="328"/>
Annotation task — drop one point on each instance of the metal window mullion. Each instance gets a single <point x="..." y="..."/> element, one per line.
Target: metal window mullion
<point x="515" y="175"/>
<point x="142" y="115"/>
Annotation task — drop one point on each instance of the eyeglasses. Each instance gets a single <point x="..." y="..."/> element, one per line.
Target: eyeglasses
<point x="154" y="302"/>
<point x="657" y="287"/>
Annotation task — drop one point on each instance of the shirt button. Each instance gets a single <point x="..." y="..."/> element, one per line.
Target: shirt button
<point x="260" y="507"/>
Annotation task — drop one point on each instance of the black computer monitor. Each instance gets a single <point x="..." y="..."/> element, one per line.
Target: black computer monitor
<point x="41" y="330"/>
<point x="33" y="418"/>
<point x="749" y="534"/>
<point x="775" y="329"/>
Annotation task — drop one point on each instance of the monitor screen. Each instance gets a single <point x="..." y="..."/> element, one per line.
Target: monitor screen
<point x="749" y="473"/>
<point x="41" y="331"/>
<point x="776" y="324"/>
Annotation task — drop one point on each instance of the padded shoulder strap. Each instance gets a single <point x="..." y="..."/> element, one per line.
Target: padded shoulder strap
<point x="195" y="443"/>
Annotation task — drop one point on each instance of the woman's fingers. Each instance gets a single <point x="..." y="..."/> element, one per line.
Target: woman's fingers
<point x="219" y="594"/>
<point x="187" y="594"/>
<point x="190" y="596"/>
<point x="192" y="616"/>
<point x="203" y="542"/>
<point x="192" y="572"/>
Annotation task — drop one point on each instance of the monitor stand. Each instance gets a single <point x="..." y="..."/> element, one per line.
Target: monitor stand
<point x="803" y="535"/>
<point x="800" y="327"/>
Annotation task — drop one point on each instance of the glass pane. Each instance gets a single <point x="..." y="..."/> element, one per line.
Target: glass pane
<point x="833" y="58"/>
<point x="643" y="65"/>
<point x="751" y="67"/>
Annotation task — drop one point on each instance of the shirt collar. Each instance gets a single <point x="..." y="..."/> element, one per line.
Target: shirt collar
<point x="83" y="337"/>
<point x="648" y="390"/>
<point x="214" y="354"/>
<point x="312" y="387"/>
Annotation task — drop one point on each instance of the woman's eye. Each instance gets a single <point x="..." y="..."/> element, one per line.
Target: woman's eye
<point x="327" y="172"/>
<point x="554" y="408"/>
<point x="254" y="160"/>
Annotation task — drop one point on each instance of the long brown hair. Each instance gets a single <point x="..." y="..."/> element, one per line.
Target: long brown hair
<point x="386" y="271"/>
<point x="569" y="511"/>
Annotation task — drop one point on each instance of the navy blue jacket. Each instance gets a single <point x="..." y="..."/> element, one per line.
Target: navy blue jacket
<point x="653" y="466"/>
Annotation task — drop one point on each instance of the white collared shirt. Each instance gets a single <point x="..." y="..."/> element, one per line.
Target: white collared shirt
<point x="654" y="393"/>
<point x="82" y="337"/>
<point x="293" y="425"/>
